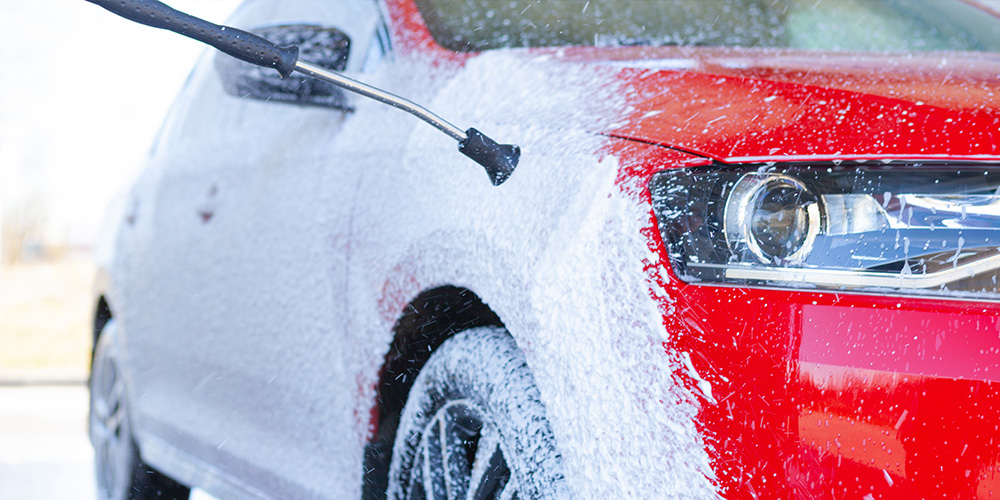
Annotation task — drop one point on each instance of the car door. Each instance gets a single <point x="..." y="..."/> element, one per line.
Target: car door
<point x="238" y="352"/>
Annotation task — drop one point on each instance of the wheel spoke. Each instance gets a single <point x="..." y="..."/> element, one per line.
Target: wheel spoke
<point x="489" y="444"/>
<point x="489" y="470"/>
<point x="416" y="491"/>
<point x="100" y="432"/>
<point x="509" y="491"/>
<point x="114" y="422"/>
<point x="117" y="393"/>
<point x="107" y="468"/>
<point x="459" y="430"/>
<point x="109" y="391"/>
<point x="99" y="391"/>
<point x="433" y="461"/>
<point x="108" y="416"/>
<point x="100" y="409"/>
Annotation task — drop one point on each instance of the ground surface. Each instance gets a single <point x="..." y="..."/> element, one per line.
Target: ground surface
<point x="44" y="450"/>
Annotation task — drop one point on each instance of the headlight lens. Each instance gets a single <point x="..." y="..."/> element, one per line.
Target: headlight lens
<point x="912" y="228"/>
<point x="775" y="217"/>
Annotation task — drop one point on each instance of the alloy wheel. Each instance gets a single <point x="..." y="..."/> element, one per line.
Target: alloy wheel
<point x="109" y="428"/>
<point x="460" y="458"/>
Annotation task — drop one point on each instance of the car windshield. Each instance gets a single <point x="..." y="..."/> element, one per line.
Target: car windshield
<point x="837" y="25"/>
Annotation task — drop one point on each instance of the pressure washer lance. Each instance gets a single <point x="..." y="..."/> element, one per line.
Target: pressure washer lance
<point x="499" y="160"/>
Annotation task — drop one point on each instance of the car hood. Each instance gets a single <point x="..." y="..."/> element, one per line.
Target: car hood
<point x="768" y="105"/>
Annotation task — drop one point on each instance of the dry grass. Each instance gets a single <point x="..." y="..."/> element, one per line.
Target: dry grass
<point x="44" y="319"/>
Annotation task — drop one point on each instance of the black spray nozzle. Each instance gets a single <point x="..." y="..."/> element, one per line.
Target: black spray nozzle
<point x="499" y="160"/>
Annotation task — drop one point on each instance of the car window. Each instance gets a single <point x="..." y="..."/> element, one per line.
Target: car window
<point x="856" y="25"/>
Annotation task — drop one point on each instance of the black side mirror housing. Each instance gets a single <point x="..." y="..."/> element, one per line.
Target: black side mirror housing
<point x="325" y="47"/>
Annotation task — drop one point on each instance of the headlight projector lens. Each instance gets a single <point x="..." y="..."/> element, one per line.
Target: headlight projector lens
<point x="774" y="217"/>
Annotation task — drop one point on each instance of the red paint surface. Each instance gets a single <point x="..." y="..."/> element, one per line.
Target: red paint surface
<point x="410" y="35"/>
<point x="830" y="395"/>
<point x="781" y="105"/>
<point x="819" y="395"/>
<point x="929" y="343"/>
<point x="825" y="396"/>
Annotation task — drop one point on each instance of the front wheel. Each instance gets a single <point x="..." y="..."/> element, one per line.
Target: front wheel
<point x="474" y="427"/>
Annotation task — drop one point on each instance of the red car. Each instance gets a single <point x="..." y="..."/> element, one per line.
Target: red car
<point x="751" y="251"/>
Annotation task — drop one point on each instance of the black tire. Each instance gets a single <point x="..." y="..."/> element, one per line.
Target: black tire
<point x="119" y="470"/>
<point x="474" y="427"/>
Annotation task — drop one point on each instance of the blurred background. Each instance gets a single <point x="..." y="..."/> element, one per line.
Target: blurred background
<point x="82" y="94"/>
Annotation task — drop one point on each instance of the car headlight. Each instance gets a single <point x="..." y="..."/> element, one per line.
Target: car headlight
<point x="912" y="228"/>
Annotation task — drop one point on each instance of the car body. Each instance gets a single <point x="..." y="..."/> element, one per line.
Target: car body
<point x="281" y="273"/>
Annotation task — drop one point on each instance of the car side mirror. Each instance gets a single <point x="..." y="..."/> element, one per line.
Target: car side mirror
<point x="325" y="47"/>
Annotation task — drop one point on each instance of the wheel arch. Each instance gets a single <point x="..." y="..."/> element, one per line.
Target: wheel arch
<point x="102" y="314"/>
<point x="433" y="316"/>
